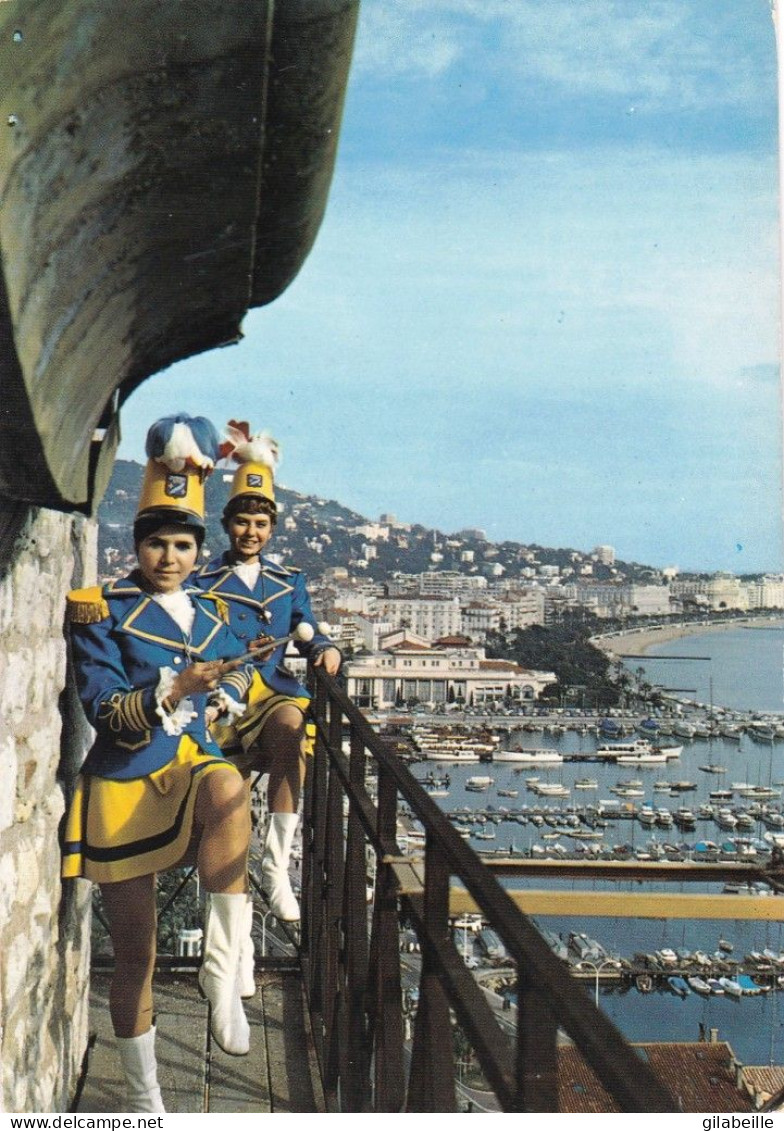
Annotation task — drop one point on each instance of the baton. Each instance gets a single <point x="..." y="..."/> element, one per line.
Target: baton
<point x="303" y="632"/>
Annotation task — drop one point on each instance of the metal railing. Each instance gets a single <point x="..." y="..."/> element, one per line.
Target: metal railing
<point x="351" y="958"/>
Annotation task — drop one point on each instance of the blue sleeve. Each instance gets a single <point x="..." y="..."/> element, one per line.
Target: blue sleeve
<point x="110" y="703"/>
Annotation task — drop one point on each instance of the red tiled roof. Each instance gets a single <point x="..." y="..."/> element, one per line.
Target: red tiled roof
<point x="500" y="666"/>
<point x="407" y="646"/>
<point x="700" y="1076"/>
<point x="765" y="1081"/>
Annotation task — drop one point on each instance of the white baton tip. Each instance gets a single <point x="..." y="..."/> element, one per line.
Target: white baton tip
<point x="303" y="632"/>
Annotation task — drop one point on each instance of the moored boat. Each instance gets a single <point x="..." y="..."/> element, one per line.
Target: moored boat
<point x="535" y="757"/>
<point x="452" y="755"/>
<point x="678" y="986"/>
<point x="479" y="784"/>
<point x="550" y="789"/>
<point x="731" y="987"/>
<point x="642" y="758"/>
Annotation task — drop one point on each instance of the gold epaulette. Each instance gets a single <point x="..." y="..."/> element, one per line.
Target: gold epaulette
<point x="86" y="606"/>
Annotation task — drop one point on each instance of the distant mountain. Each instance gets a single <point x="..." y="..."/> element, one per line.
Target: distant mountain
<point x="316" y="533"/>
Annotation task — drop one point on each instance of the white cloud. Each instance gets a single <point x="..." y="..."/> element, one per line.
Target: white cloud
<point x="661" y="54"/>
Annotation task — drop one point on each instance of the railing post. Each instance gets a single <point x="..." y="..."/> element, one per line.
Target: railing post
<point x="317" y="814"/>
<point x="537" y="1052"/>
<point x="432" y="1080"/>
<point x="355" y="1054"/>
<point x="333" y="905"/>
<point x="386" y="1006"/>
<point x="318" y="712"/>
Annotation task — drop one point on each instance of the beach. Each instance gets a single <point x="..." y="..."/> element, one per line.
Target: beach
<point x="637" y="641"/>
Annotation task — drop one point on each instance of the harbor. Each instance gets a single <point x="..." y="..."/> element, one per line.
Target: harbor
<point x="676" y="970"/>
<point x="707" y="798"/>
<point x="662" y="857"/>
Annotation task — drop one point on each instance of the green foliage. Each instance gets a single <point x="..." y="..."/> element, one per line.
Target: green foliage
<point x="566" y="650"/>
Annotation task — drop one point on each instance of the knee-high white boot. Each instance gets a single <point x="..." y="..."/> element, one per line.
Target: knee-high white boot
<point x="275" y="880"/>
<point x="247" y="977"/>
<point x="137" y="1055"/>
<point x="219" y="974"/>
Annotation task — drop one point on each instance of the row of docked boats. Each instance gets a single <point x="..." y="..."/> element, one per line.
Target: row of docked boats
<point x="454" y="743"/>
<point x="636" y="752"/>
<point x="707" y="726"/>
<point x="742" y="985"/>
<point x="680" y="971"/>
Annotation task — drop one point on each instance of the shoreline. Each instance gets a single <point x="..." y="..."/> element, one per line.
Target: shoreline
<point x="639" y="640"/>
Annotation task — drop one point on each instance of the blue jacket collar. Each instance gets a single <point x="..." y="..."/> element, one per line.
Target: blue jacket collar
<point x="144" y="618"/>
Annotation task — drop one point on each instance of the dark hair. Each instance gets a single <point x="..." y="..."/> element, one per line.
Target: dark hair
<point x="147" y="524"/>
<point x="248" y="504"/>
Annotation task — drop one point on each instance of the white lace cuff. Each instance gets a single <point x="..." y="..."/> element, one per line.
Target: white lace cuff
<point x="231" y="708"/>
<point x="174" y="722"/>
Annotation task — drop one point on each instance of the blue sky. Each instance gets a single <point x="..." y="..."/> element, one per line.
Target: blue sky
<point x="544" y="299"/>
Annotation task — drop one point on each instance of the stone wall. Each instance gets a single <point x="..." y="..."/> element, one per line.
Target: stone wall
<point x="44" y="925"/>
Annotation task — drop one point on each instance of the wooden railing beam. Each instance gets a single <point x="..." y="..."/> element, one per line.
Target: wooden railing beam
<point x="357" y="992"/>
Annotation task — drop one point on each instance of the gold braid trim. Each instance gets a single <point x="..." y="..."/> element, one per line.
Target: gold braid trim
<point x="86" y="606"/>
<point x="124" y="711"/>
<point x="239" y="680"/>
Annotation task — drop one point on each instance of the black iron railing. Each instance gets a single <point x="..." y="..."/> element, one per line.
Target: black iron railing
<point x="351" y="956"/>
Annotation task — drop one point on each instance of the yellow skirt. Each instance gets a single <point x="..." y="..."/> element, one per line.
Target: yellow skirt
<point x="118" y="830"/>
<point x="237" y="740"/>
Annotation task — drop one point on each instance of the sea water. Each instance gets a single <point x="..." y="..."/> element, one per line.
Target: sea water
<point x="741" y="668"/>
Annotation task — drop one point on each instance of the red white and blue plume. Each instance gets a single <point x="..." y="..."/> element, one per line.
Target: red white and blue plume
<point x="181" y="441"/>
<point x="243" y="447"/>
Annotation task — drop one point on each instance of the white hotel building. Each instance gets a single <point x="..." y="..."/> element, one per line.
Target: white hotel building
<point x="428" y="617"/>
<point x="406" y="666"/>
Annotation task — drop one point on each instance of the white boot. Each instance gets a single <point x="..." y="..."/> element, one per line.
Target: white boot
<point x="247" y="976"/>
<point x="218" y="977"/>
<point x="137" y="1055"/>
<point x="275" y="881"/>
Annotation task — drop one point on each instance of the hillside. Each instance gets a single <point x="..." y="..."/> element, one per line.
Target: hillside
<point x="318" y="533"/>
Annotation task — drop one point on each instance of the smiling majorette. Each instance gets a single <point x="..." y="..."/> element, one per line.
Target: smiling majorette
<point x="155" y="790"/>
<point x="266" y="599"/>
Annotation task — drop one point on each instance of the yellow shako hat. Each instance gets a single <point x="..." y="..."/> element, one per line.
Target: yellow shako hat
<point x="258" y="457"/>
<point x="181" y="453"/>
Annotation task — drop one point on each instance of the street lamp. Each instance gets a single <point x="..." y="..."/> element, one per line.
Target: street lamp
<point x="609" y="963"/>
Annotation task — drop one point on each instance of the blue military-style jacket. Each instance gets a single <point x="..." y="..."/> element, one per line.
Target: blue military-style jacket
<point x="277" y="603"/>
<point x="121" y="640"/>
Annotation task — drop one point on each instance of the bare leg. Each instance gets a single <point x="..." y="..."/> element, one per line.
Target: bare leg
<point x="224" y="821"/>
<point x="130" y="907"/>
<point x="281" y="741"/>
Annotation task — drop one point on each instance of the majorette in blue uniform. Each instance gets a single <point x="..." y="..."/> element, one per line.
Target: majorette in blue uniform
<point x="127" y="818"/>
<point x="148" y="655"/>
